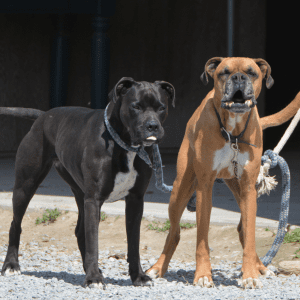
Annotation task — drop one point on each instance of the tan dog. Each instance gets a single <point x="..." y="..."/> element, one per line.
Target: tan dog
<point x="206" y="154"/>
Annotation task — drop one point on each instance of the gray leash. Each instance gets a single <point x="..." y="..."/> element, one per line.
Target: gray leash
<point x="285" y="201"/>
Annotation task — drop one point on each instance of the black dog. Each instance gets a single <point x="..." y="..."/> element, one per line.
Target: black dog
<point x="76" y="141"/>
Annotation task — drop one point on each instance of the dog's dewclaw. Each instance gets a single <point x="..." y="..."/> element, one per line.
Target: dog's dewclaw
<point x="267" y="273"/>
<point x="250" y="283"/>
<point x="203" y="282"/>
<point x="98" y="285"/>
<point x="10" y="272"/>
<point x="153" y="273"/>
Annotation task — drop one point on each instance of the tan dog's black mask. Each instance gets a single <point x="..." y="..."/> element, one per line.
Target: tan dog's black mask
<point x="237" y="82"/>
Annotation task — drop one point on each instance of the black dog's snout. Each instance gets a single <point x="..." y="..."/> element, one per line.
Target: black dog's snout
<point x="239" y="78"/>
<point x="152" y="126"/>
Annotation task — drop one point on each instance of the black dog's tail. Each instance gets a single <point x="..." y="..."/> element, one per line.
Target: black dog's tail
<point x="26" y="113"/>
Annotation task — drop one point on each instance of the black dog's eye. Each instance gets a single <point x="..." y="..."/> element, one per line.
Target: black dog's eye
<point x="162" y="108"/>
<point x="136" y="106"/>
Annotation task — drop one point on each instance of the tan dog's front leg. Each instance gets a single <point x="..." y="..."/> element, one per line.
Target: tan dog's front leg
<point x="203" y="276"/>
<point x="234" y="186"/>
<point x="183" y="188"/>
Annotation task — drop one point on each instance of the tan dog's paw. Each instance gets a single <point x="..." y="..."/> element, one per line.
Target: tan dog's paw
<point x="10" y="272"/>
<point x="250" y="283"/>
<point x="204" y="282"/>
<point x="153" y="273"/>
<point x="267" y="273"/>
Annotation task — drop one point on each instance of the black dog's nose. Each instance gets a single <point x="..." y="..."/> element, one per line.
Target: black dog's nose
<point x="238" y="77"/>
<point x="152" y="126"/>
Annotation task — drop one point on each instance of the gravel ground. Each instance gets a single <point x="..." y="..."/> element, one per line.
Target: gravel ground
<point x="52" y="273"/>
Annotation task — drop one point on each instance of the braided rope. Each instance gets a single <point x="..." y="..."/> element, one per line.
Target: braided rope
<point x="284" y="208"/>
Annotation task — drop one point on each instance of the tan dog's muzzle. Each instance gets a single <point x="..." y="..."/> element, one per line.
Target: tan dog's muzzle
<point x="239" y="94"/>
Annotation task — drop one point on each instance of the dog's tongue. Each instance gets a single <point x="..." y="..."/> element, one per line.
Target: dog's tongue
<point x="152" y="138"/>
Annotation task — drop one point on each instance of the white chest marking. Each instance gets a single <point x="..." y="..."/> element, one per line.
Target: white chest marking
<point x="222" y="159"/>
<point x="123" y="181"/>
<point x="233" y="120"/>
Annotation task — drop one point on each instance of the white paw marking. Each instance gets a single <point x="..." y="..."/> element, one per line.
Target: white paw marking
<point x="203" y="282"/>
<point x="153" y="273"/>
<point x="250" y="283"/>
<point x="10" y="272"/>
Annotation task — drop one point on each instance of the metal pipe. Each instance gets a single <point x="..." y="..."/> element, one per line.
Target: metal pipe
<point x="230" y="27"/>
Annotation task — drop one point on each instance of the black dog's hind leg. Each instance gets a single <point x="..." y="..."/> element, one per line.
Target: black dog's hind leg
<point x="79" y="197"/>
<point x="134" y="213"/>
<point x="32" y="166"/>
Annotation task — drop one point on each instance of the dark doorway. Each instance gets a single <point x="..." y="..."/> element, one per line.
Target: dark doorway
<point x="282" y="53"/>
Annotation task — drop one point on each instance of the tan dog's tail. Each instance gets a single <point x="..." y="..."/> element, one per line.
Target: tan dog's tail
<point x="283" y="116"/>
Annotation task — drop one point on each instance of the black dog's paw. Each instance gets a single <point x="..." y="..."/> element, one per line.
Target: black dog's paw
<point x="142" y="280"/>
<point x="95" y="281"/>
<point x="10" y="268"/>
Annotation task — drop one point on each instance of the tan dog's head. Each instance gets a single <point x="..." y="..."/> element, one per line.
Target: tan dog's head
<point x="237" y="81"/>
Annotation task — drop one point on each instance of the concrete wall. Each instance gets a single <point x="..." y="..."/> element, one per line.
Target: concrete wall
<point x="150" y="40"/>
<point x="24" y="71"/>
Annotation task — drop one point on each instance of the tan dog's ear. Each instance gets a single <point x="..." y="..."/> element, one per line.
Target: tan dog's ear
<point x="169" y="88"/>
<point x="121" y="88"/>
<point x="266" y="71"/>
<point x="210" y="68"/>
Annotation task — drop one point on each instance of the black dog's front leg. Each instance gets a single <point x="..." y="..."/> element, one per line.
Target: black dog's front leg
<point x="134" y="213"/>
<point x="94" y="275"/>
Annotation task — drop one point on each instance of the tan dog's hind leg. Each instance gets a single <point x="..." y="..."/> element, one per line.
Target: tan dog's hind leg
<point x="183" y="188"/>
<point x="203" y="276"/>
<point x="250" y="270"/>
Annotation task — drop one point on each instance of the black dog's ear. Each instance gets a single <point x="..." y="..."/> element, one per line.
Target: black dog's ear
<point x="169" y="88"/>
<point x="210" y="68"/>
<point x="266" y="71"/>
<point x="121" y="88"/>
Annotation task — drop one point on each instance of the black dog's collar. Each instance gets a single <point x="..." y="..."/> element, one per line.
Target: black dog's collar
<point x="139" y="150"/>
<point x="233" y="138"/>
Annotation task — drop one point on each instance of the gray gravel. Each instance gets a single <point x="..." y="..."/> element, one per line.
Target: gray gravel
<point x="49" y="273"/>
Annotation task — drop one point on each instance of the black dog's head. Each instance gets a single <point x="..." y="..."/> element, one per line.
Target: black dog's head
<point x="143" y="107"/>
<point x="237" y="81"/>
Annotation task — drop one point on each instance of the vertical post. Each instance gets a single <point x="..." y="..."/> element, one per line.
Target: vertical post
<point x="100" y="62"/>
<point x="59" y="65"/>
<point x="230" y="27"/>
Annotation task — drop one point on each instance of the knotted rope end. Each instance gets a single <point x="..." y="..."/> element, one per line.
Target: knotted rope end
<point x="265" y="183"/>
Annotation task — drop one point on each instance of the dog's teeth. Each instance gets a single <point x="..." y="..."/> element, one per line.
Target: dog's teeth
<point x="153" y="138"/>
<point x="248" y="103"/>
<point x="230" y="103"/>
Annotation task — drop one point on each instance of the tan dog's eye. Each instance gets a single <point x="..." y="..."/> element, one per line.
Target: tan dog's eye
<point x="252" y="73"/>
<point x="224" y="72"/>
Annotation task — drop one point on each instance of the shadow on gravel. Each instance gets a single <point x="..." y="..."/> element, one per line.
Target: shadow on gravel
<point x="74" y="279"/>
<point x="187" y="277"/>
<point x="71" y="278"/>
